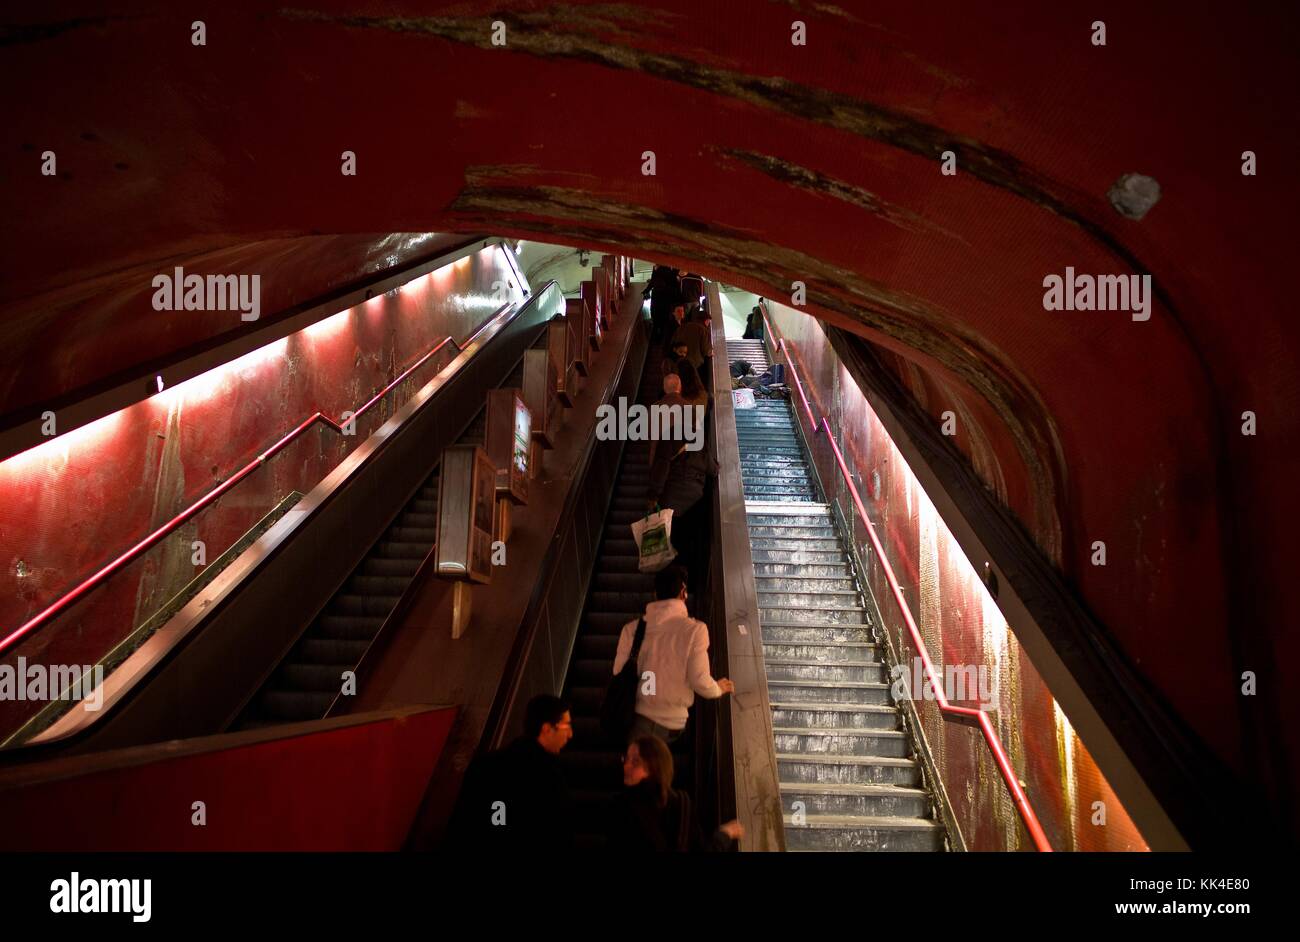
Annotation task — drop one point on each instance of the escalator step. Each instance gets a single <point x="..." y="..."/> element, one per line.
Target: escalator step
<point x="401" y="549"/>
<point x="620" y="601"/>
<point x="590" y="673"/>
<point x="379" y="605"/>
<point x="402" y="534"/>
<point x="292" y="705"/>
<point x="347" y="627"/>
<point x="585" y="701"/>
<point x="597" y="647"/>
<point x="318" y="678"/>
<point x="624" y="582"/>
<point x="622" y="565"/>
<point x="380" y="566"/>
<point x="330" y="651"/>
<point x="393" y="586"/>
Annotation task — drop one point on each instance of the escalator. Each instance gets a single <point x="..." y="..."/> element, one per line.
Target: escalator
<point x="353" y="551"/>
<point x="308" y="680"/>
<point x="618" y="594"/>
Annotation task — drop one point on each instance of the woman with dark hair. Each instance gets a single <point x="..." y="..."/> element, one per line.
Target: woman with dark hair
<point x="649" y="815"/>
<point x="693" y="390"/>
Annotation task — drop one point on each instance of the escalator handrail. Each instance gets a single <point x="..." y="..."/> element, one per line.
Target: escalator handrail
<point x="986" y="725"/>
<point x="506" y="312"/>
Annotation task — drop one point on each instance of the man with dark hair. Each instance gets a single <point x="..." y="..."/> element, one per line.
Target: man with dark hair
<point x="673" y="663"/>
<point x="698" y="337"/>
<point x="516" y="799"/>
<point x="675" y="357"/>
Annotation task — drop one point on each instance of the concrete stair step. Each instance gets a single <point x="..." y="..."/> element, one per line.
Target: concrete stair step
<point x="779" y="615"/>
<point x="796" y="545"/>
<point x="851" y="833"/>
<point x="857" y="801"/>
<point x="825" y="598"/>
<point x="815" y="634"/>
<point x="783" y="570"/>
<point x="834" y="715"/>
<point x="790" y="520"/>
<point x="892" y="743"/>
<point x="809" y="670"/>
<point x="792" y="532"/>
<point x="813" y="691"/>
<point x="845" y="652"/>
<point x="800" y="556"/>
<point x="847" y="770"/>
<point x="804" y="584"/>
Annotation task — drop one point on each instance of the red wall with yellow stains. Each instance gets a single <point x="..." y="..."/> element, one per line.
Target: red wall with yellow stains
<point x="71" y="505"/>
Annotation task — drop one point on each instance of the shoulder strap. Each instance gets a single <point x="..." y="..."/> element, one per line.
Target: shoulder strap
<point x="636" y="640"/>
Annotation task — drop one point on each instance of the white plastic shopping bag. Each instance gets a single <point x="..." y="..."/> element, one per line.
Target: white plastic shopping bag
<point x="653" y="541"/>
<point x="743" y="399"/>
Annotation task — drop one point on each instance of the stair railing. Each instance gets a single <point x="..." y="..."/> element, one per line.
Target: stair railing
<point x="981" y="717"/>
<point x="108" y="570"/>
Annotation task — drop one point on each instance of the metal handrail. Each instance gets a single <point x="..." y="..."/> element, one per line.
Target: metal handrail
<point x="89" y="584"/>
<point x="986" y="725"/>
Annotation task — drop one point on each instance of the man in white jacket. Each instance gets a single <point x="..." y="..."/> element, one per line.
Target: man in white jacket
<point x="674" y="661"/>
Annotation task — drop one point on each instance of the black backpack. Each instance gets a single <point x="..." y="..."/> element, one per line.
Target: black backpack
<point x="618" y="709"/>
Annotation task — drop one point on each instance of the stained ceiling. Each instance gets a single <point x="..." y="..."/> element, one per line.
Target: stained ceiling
<point x="774" y="163"/>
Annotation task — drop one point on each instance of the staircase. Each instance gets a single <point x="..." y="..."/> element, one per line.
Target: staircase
<point x="310" y="676"/>
<point x="847" y="777"/>
<point x="617" y="595"/>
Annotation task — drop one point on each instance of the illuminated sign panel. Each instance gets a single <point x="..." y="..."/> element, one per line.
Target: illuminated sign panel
<point x="558" y="338"/>
<point x="506" y="438"/>
<point x="466" y="502"/>
<point x="540" y="383"/>
<point x="593" y="293"/>
<point x="578" y="314"/>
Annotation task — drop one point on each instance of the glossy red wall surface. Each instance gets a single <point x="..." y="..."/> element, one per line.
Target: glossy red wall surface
<point x="778" y="163"/>
<point x="355" y="788"/>
<point x="73" y="504"/>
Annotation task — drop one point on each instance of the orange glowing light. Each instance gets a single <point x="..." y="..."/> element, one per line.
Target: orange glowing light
<point x="54" y="455"/>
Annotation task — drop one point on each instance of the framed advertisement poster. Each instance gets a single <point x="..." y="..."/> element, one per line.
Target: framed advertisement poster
<point x="578" y="315"/>
<point x="557" y="339"/>
<point x="594" y="295"/>
<point x="466" y="503"/>
<point x="506" y="438"/>
<point x="539" y="393"/>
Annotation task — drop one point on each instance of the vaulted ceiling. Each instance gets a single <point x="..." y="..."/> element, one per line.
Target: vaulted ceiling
<point x="773" y="163"/>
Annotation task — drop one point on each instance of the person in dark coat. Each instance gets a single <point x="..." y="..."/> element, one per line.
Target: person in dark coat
<point x="650" y="816"/>
<point x="695" y="333"/>
<point x="665" y="294"/>
<point x="675" y="357"/>
<point x="516" y="799"/>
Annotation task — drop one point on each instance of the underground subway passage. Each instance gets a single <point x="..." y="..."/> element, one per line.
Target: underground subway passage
<point x="920" y="378"/>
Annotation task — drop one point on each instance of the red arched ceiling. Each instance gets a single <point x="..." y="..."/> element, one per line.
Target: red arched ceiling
<point x="775" y="163"/>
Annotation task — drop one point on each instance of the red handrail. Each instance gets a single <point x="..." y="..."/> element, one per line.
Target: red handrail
<point x="981" y="716"/>
<point x="94" y="581"/>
